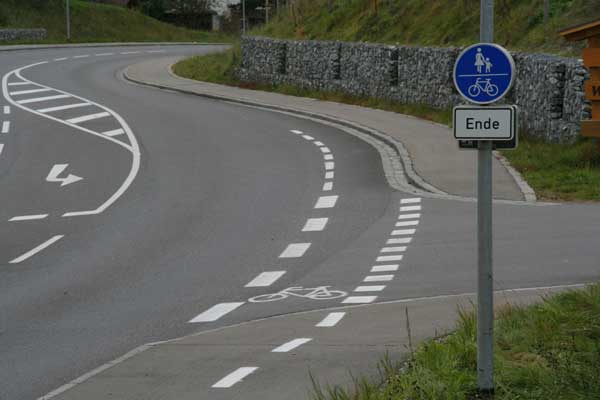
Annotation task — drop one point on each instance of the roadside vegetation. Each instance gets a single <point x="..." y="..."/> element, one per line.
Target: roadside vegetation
<point x="93" y="22"/>
<point x="546" y="351"/>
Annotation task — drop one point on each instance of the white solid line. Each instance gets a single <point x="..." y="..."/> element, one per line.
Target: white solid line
<point x="403" y="232"/>
<point x="327" y="186"/>
<point x="6" y="110"/>
<point x="410" y="201"/>
<point x="104" y="54"/>
<point x="308" y="137"/>
<point x="65" y="107"/>
<point x="389" y="258"/>
<point x="378" y="278"/>
<point x="291" y="345"/>
<point x="326" y="202"/>
<point x="407" y="223"/>
<point x="215" y="312"/>
<point x="47" y="98"/>
<point x="359" y="299"/>
<point x="19" y="83"/>
<point x="5" y="126"/>
<point x="329" y="165"/>
<point x="114" y="132"/>
<point x="61" y="59"/>
<point x="265" y="279"/>
<point x="297" y="132"/>
<point x="410" y="208"/>
<point x="331" y="320"/>
<point x="398" y="249"/>
<point x="30" y="91"/>
<point x="295" y="250"/>
<point x="409" y="216"/>
<point x="37" y="249"/>
<point x="317" y="143"/>
<point x="385" y="268"/>
<point x="27" y="217"/>
<point x="399" y="241"/>
<point x="328" y="157"/>
<point x="234" y="377"/>
<point x="82" y="56"/>
<point x="89" y="117"/>
<point x="315" y="224"/>
<point x="329" y="175"/>
<point x="325" y="150"/>
<point x="370" y="288"/>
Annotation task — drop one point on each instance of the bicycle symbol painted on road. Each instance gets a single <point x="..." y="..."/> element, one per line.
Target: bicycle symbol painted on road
<point x="485" y="86"/>
<point x="318" y="293"/>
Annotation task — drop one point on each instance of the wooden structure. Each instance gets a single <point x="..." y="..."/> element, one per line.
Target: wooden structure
<point x="591" y="58"/>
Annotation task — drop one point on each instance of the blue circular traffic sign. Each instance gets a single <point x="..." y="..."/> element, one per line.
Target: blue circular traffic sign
<point x="484" y="73"/>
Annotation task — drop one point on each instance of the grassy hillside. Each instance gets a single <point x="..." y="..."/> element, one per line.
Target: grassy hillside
<point x="519" y="23"/>
<point x="92" y="22"/>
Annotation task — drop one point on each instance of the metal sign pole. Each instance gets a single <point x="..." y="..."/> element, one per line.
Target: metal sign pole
<point x="244" y="17"/>
<point x="68" y="20"/>
<point x="485" y="295"/>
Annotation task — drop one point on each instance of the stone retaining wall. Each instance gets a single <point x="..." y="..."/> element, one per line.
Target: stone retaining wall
<point x="8" y="35"/>
<point x="548" y="89"/>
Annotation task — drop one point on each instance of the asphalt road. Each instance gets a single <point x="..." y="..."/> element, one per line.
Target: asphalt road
<point x="185" y="201"/>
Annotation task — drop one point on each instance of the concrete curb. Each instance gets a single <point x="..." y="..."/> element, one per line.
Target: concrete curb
<point x="527" y="190"/>
<point x="18" y="47"/>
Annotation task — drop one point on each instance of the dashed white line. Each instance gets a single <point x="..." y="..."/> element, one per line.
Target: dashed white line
<point x="1" y="147"/>
<point x="331" y="320"/>
<point x="65" y="107"/>
<point x="6" y="110"/>
<point x="326" y="202"/>
<point x="398" y="249"/>
<point x="295" y="250"/>
<point x="315" y="224"/>
<point x="130" y="52"/>
<point x="328" y="157"/>
<point x="82" y="56"/>
<point x="297" y="132"/>
<point x="155" y="51"/>
<point x="291" y="345"/>
<point x="378" y="278"/>
<point x="325" y="150"/>
<point x="19" y="83"/>
<point x="329" y="165"/>
<point x="234" y="377"/>
<point x="359" y="299"/>
<point x="89" y="117"/>
<point x="410" y="208"/>
<point x="265" y="279"/>
<point x="61" y="59"/>
<point x="317" y="143"/>
<point x="399" y="241"/>
<point x="385" y="268"/>
<point x="114" y="132"/>
<point x="30" y="91"/>
<point x="104" y="54"/>
<point x="308" y="137"/>
<point x="399" y="232"/>
<point x="327" y="186"/>
<point x="407" y="223"/>
<point x="329" y="175"/>
<point x="5" y="126"/>
<point x="389" y="258"/>
<point x="370" y="288"/>
<point x="409" y="216"/>
<point x="47" y="98"/>
<point x="410" y="201"/>
<point x="216" y="312"/>
<point x="37" y="249"/>
<point x="28" y="217"/>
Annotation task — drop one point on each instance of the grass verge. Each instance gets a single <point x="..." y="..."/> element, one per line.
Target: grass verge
<point x="555" y="171"/>
<point x="546" y="351"/>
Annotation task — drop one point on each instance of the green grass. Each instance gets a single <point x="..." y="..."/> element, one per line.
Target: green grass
<point x="547" y="351"/>
<point x="93" y="22"/>
<point x="519" y="23"/>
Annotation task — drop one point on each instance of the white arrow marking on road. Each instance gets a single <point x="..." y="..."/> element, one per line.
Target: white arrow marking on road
<point x="57" y="170"/>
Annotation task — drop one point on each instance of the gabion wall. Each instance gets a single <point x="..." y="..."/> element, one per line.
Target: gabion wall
<point x="548" y="89"/>
<point x="7" y="35"/>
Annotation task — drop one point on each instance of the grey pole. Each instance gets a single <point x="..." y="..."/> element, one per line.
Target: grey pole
<point x="68" y="20"/>
<point x="244" y="17"/>
<point x="485" y="284"/>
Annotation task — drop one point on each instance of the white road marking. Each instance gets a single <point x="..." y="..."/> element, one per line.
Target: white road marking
<point x="410" y="208"/>
<point x="104" y="54"/>
<point x="329" y="165"/>
<point x="327" y="186"/>
<point x="398" y="249"/>
<point x="378" y="278"/>
<point x="19" y="83"/>
<point x="295" y="250"/>
<point x="215" y="312"/>
<point x="114" y="132"/>
<point x="359" y="299"/>
<point x="82" y="56"/>
<point x="130" y="52"/>
<point x="315" y="224"/>
<point x="399" y="241"/>
<point x="89" y="117"/>
<point x="61" y="59"/>
<point x="37" y="249"/>
<point x="5" y="126"/>
<point x="27" y="217"/>
<point x="385" y="268"/>
<point x="308" y="137"/>
<point x="58" y="169"/>
<point x="291" y="345"/>
<point x="403" y="232"/>
<point x="265" y="279"/>
<point x="6" y="110"/>
<point x="389" y="258"/>
<point x="329" y="175"/>
<point x="409" y="216"/>
<point x="410" y="201"/>
<point x="328" y="156"/>
<point x="1" y="147"/>
<point x="326" y="202"/>
<point x="40" y="99"/>
<point x="407" y="223"/>
<point x="30" y="91"/>
<point x="155" y="51"/>
<point x="325" y="150"/>
<point x="317" y="143"/>
<point x="331" y="320"/>
<point x="65" y="107"/>
<point x="234" y="377"/>
<point x="297" y="132"/>
<point x="370" y="288"/>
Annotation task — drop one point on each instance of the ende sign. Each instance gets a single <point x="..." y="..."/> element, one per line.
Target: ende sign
<point x="484" y="123"/>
